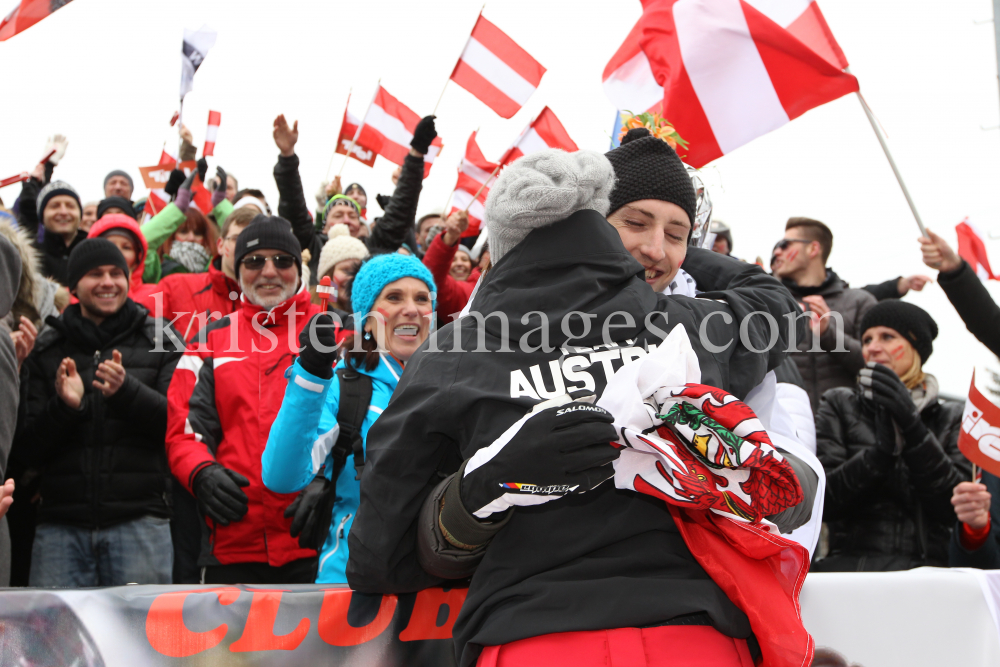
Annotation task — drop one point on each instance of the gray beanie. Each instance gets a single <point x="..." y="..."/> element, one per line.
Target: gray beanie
<point x="119" y="172"/>
<point x="54" y="189"/>
<point x="542" y="188"/>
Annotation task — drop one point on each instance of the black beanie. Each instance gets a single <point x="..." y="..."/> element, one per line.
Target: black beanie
<point x="116" y="202"/>
<point x="911" y="322"/>
<point x="123" y="174"/>
<point x="267" y="232"/>
<point x="648" y="168"/>
<point x="90" y="254"/>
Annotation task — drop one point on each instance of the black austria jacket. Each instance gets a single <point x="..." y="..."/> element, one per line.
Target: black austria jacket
<point x="886" y="512"/>
<point x="604" y="559"/>
<point x="388" y="234"/>
<point x="104" y="463"/>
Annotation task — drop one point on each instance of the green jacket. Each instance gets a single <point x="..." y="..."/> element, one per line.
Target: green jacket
<point x="162" y="226"/>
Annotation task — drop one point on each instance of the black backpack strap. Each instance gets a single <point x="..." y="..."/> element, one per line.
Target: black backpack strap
<point x="355" y="397"/>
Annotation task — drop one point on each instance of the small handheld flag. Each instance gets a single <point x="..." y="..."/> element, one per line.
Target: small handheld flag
<point x="979" y="438"/>
<point x="324" y="289"/>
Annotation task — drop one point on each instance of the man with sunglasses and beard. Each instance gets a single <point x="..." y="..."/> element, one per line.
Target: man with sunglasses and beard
<point x="830" y="354"/>
<point x="224" y="396"/>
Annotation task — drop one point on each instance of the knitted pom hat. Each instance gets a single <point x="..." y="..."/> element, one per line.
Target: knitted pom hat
<point x="341" y="246"/>
<point x="542" y="188"/>
<point x="378" y="272"/>
<point x="911" y="322"/>
<point x="648" y="168"/>
<point x="54" y="189"/>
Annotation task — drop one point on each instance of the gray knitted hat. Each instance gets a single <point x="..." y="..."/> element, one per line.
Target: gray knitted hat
<point x="542" y="188"/>
<point x="54" y="189"/>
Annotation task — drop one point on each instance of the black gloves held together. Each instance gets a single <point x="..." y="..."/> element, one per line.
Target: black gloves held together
<point x="202" y="169"/>
<point x="560" y="447"/>
<point x="218" y="490"/>
<point x="318" y="341"/>
<point x="884" y="387"/>
<point x="174" y="182"/>
<point x="423" y="135"/>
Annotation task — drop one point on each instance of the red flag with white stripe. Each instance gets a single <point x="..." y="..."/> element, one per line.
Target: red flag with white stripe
<point x="979" y="436"/>
<point x="730" y="70"/>
<point x="26" y="14"/>
<point x="350" y="140"/>
<point x="475" y="175"/>
<point x="496" y="70"/>
<point x="214" y="119"/>
<point x="972" y="249"/>
<point x="544" y="132"/>
<point x="388" y="129"/>
<point x="158" y="197"/>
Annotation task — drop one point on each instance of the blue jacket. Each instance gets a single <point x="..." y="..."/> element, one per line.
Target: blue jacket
<point x="300" y="442"/>
<point x="986" y="557"/>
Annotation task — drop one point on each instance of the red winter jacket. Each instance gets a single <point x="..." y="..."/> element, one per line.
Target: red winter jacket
<point x="138" y="291"/>
<point x="211" y="294"/>
<point x="452" y="295"/>
<point x="222" y="401"/>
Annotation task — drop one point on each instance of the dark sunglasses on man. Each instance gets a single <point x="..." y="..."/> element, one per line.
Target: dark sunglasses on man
<point x="256" y="262"/>
<point x="784" y="243"/>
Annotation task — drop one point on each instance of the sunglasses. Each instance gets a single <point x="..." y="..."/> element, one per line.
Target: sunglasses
<point x="256" y="262"/>
<point x="784" y="243"/>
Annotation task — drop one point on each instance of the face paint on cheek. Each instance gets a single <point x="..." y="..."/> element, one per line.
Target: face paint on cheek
<point x="792" y="254"/>
<point x="897" y="352"/>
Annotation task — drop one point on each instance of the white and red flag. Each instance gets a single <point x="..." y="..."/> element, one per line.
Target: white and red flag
<point x="214" y="119"/>
<point x="545" y="131"/>
<point x="972" y="249"/>
<point x="350" y="140"/>
<point x="979" y="437"/>
<point x="496" y="70"/>
<point x="26" y="14"/>
<point x="156" y="178"/>
<point x="475" y="176"/>
<point x="730" y="70"/>
<point x="388" y="129"/>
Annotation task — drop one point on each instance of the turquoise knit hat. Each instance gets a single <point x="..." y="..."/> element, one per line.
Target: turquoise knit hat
<point x="378" y="272"/>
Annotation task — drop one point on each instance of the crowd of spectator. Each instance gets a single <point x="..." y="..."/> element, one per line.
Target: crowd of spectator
<point x="180" y="408"/>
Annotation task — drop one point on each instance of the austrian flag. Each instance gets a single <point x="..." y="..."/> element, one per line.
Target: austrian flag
<point x="475" y="176"/>
<point x="496" y="70"/>
<point x="727" y="71"/>
<point x="214" y="119"/>
<point x="388" y="129"/>
<point x="545" y="131"/>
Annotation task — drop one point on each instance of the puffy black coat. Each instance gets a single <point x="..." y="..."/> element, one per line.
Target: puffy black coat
<point x="886" y="512"/>
<point x="390" y="231"/>
<point x="104" y="463"/>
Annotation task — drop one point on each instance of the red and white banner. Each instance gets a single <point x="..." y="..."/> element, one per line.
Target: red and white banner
<point x="496" y="70"/>
<point x="979" y="438"/>
<point x="388" y="130"/>
<point x="350" y="140"/>
<point x="26" y="14"/>
<point x="475" y="176"/>
<point x="972" y="249"/>
<point x="214" y="119"/>
<point x="544" y="132"/>
<point x="156" y="178"/>
<point x="729" y="70"/>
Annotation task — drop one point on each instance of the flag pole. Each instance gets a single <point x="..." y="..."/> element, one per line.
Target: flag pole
<point x="330" y="165"/>
<point x="441" y="96"/>
<point x="357" y="132"/>
<point x="483" y="187"/>
<point x="973" y="472"/>
<point x="892" y="162"/>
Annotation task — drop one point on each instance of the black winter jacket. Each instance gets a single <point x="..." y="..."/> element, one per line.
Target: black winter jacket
<point x="886" y="512"/>
<point x="986" y="557"/>
<point x="387" y="235"/>
<point x="604" y="559"/>
<point x="974" y="305"/>
<point x="52" y="248"/>
<point x="104" y="463"/>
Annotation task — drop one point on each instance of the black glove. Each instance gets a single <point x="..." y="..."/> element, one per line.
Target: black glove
<point x="383" y="200"/>
<point x="220" y="175"/>
<point x="174" y="182"/>
<point x="560" y="447"/>
<point x="423" y="135"/>
<point x="218" y="490"/>
<point x="202" y="169"/>
<point x="884" y="387"/>
<point x="312" y="510"/>
<point x="318" y="341"/>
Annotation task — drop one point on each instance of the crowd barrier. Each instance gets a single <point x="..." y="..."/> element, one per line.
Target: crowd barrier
<point x="927" y="617"/>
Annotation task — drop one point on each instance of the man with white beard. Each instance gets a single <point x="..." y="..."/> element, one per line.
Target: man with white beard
<point x="224" y="397"/>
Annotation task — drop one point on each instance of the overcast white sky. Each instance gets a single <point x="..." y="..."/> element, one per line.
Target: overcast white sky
<point x="106" y="74"/>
